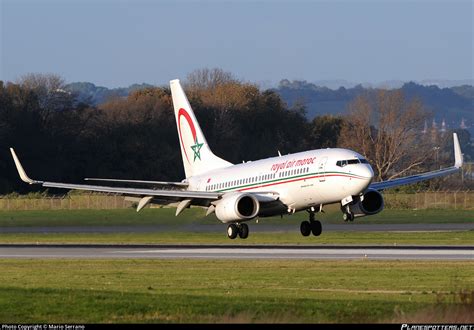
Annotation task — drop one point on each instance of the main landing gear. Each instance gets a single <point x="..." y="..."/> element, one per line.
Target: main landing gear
<point x="240" y="229"/>
<point x="311" y="226"/>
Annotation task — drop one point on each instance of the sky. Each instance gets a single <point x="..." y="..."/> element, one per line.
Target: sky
<point x="116" y="43"/>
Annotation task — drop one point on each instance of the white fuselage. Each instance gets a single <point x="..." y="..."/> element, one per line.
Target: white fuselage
<point x="302" y="180"/>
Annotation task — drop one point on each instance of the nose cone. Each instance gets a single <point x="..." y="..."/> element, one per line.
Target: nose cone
<point x="365" y="172"/>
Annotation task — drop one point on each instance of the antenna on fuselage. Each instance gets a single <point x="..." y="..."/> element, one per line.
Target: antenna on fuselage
<point x="279" y="154"/>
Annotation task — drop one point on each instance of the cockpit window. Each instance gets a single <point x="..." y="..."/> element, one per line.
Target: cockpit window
<point x="363" y="161"/>
<point x="343" y="163"/>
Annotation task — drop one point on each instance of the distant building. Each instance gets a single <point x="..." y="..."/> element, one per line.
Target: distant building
<point x="443" y="127"/>
<point x="425" y="128"/>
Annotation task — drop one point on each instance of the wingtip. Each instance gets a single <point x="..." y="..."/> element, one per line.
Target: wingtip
<point x="23" y="176"/>
<point x="458" y="159"/>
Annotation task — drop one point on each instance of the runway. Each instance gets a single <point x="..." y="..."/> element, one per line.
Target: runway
<point x="294" y="252"/>
<point x="219" y="228"/>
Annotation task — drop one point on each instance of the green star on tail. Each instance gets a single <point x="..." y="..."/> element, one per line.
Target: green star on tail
<point x="197" y="149"/>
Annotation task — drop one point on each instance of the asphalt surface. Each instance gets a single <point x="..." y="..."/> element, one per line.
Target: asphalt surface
<point x="253" y="228"/>
<point x="237" y="252"/>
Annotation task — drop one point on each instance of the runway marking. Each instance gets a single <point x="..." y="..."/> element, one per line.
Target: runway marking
<point x="301" y="251"/>
<point x="235" y="252"/>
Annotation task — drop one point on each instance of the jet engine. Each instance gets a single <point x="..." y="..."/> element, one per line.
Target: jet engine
<point x="235" y="207"/>
<point x="368" y="204"/>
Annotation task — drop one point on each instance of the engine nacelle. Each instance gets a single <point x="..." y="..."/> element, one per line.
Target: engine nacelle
<point x="368" y="204"/>
<point x="239" y="206"/>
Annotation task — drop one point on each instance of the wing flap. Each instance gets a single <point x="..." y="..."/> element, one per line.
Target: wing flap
<point x="159" y="183"/>
<point x="135" y="191"/>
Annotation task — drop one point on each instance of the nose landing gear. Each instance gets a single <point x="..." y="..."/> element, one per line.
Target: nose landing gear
<point x="312" y="226"/>
<point x="347" y="215"/>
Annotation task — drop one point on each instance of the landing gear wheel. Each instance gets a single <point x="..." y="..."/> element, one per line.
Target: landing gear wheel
<point x="348" y="216"/>
<point x="305" y="228"/>
<point x="244" y="231"/>
<point x="316" y="228"/>
<point x="232" y="231"/>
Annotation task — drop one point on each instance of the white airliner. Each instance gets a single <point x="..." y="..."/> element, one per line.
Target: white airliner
<point x="304" y="181"/>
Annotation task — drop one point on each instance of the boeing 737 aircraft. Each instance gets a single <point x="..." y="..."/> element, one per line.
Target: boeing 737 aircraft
<point x="304" y="181"/>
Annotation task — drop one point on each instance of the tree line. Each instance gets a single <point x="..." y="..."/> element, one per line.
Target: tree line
<point x="59" y="138"/>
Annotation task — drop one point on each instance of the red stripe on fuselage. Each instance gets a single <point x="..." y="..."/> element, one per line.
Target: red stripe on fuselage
<point x="299" y="179"/>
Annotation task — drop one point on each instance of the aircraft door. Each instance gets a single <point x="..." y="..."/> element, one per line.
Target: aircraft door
<point x="199" y="185"/>
<point x="322" y="169"/>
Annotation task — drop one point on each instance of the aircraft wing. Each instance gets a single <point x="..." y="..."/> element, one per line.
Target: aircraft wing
<point x="163" y="193"/>
<point x="458" y="161"/>
<point x="154" y="183"/>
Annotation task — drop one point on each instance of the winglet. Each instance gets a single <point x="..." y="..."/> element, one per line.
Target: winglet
<point x="457" y="152"/>
<point x="20" y="169"/>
